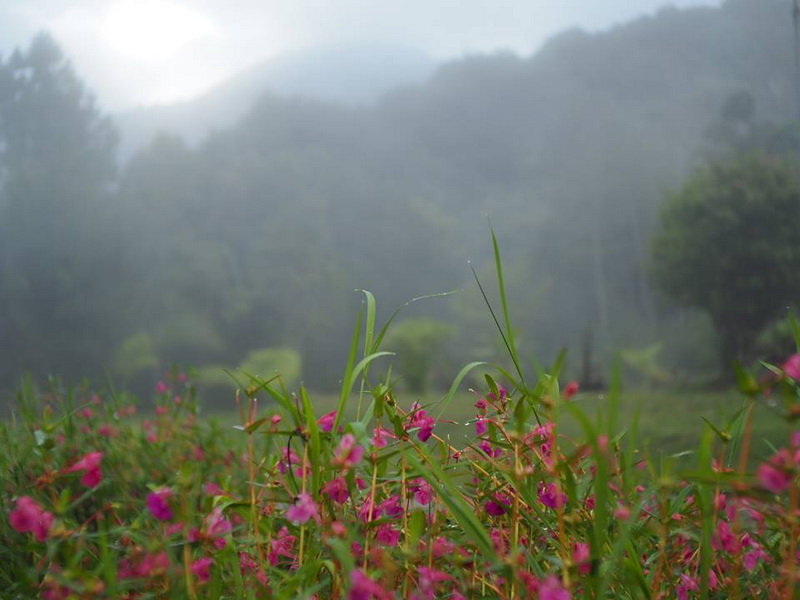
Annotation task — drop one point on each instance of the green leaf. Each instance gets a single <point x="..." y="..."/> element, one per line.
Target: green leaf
<point x="448" y="397"/>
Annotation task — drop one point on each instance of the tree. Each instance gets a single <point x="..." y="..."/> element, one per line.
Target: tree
<point x="728" y="244"/>
<point x="418" y="342"/>
<point x="60" y="249"/>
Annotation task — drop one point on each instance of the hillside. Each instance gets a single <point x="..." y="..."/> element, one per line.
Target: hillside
<point x="257" y="236"/>
<point x="355" y="74"/>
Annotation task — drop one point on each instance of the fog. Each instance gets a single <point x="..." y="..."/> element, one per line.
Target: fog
<point x="223" y="213"/>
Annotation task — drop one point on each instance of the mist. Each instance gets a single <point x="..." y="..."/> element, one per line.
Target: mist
<point x="235" y="228"/>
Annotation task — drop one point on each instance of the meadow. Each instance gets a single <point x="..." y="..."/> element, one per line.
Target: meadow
<point x="524" y="487"/>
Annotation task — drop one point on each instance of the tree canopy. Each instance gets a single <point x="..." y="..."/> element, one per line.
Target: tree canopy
<point x="728" y="243"/>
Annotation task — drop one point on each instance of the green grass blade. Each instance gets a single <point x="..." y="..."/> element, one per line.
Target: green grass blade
<point x="449" y="494"/>
<point x="448" y="397"/>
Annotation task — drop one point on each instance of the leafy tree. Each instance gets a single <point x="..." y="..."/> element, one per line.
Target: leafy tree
<point x="60" y="249"/>
<point x="418" y="342"/>
<point x="729" y="244"/>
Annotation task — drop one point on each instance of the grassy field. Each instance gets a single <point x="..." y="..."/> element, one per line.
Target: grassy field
<point x="670" y="422"/>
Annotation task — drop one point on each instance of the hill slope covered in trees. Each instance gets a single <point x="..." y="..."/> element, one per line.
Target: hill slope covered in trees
<point x="258" y="236"/>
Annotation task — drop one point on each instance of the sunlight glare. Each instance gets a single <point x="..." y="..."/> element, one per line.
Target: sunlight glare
<point x="153" y="29"/>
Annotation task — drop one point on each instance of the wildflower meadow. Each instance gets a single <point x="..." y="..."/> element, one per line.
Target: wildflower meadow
<point x="373" y="501"/>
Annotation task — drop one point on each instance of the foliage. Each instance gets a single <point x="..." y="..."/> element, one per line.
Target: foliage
<point x="136" y="354"/>
<point x="261" y="231"/>
<point x="273" y="361"/>
<point x="60" y="244"/>
<point x="727" y="245"/>
<point x="98" y="504"/>
<point x="418" y="342"/>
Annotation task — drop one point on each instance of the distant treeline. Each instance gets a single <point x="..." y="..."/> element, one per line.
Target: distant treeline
<point x="258" y="237"/>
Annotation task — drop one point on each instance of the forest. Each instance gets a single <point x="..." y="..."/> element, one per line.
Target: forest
<point x="246" y="248"/>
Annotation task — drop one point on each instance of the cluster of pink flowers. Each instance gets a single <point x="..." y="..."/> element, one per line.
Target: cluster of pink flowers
<point x="30" y="517"/>
<point x="89" y="465"/>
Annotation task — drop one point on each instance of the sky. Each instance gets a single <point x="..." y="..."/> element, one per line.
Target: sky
<point x="143" y="52"/>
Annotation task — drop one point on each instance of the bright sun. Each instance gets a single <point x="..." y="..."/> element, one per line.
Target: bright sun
<point x="153" y="29"/>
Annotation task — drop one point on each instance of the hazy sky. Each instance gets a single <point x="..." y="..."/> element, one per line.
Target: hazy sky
<point x="154" y="51"/>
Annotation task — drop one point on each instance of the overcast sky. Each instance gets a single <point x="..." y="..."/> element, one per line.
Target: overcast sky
<point x="133" y="52"/>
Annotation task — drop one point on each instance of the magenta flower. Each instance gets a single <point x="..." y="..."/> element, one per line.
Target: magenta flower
<point x="550" y="496"/>
<point x="364" y="588"/>
<point x="151" y="566"/>
<point x="420" y="419"/>
<point x="792" y="367"/>
<point x="481" y="426"/>
<point x="725" y="539"/>
<point x="90" y="465"/>
<point x="422" y="491"/>
<point x="580" y="557"/>
<point x="215" y="527"/>
<point x="551" y="589"/>
<point x="379" y="436"/>
<point x="391" y="507"/>
<point x="387" y="535"/>
<point x="157" y="503"/>
<point x="281" y="546"/>
<point x="349" y="454"/>
<point x="687" y="584"/>
<point x="428" y="578"/>
<point x="201" y="568"/>
<point x="497" y="506"/>
<point x="29" y="517"/>
<point x="337" y="490"/>
<point x="326" y="422"/>
<point x="303" y="509"/>
<point x="772" y="478"/>
<point x="571" y="389"/>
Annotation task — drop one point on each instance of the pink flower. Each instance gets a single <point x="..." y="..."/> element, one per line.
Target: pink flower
<point x="420" y="419"/>
<point x="792" y="367"/>
<point x="580" y="557"/>
<point x="550" y="497"/>
<point x="481" y="426"/>
<point x="201" y="568"/>
<point x="387" y="535"/>
<point x="289" y="458"/>
<point x="571" y="389"/>
<point x="215" y="527"/>
<point x="752" y="557"/>
<point x="551" y="589"/>
<point x="157" y="503"/>
<point x="428" y="578"/>
<point x="152" y="564"/>
<point x="364" y="588"/>
<point x="281" y="546"/>
<point x="90" y="465"/>
<point x="349" y="454"/>
<point x="391" y="507"/>
<point x="326" y="421"/>
<point x="687" y="584"/>
<point x="422" y="491"/>
<point x="497" y="507"/>
<point x="773" y="478"/>
<point x="725" y="539"/>
<point x="29" y="517"/>
<point x="379" y="436"/>
<point x="161" y="388"/>
<point x="303" y="509"/>
<point x="212" y="489"/>
<point x="337" y="490"/>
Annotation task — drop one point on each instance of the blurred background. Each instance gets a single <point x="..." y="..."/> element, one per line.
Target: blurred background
<point x="206" y="183"/>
